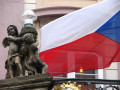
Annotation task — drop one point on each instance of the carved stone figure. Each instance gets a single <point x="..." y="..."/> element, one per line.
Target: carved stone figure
<point x="23" y="57"/>
<point x="29" y="51"/>
<point x="13" y="60"/>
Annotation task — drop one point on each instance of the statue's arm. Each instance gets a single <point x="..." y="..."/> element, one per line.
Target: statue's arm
<point x="15" y="38"/>
<point x="36" y="43"/>
<point x="5" y="42"/>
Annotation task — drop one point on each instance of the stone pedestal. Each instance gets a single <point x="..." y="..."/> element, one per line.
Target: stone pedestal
<point x="33" y="82"/>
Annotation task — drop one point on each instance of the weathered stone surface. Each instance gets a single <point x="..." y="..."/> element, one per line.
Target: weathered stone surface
<point x="33" y="82"/>
<point x="23" y="56"/>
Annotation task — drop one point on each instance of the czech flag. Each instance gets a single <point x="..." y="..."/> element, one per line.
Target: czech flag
<point x="87" y="38"/>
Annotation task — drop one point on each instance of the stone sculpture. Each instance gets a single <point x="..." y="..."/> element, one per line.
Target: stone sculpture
<point x="23" y="57"/>
<point x="13" y="59"/>
<point x="29" y="51"/>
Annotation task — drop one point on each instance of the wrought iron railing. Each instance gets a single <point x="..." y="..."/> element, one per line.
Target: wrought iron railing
<point x="100" y="84"/>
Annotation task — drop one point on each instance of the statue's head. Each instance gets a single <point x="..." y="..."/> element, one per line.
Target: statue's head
<point x="12" y="30"/>
<point x="29" y="38"/>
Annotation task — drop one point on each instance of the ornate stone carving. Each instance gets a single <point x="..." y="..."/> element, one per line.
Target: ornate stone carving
<point x="13" y="60"/>
<point x="23" y="57"/>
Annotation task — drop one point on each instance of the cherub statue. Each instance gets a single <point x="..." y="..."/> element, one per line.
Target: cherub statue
<point x="13" y="60"/>
<point x="33" y="65"/>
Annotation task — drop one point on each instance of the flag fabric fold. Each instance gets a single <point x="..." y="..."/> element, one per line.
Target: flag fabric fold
<point x="87" y="38"/>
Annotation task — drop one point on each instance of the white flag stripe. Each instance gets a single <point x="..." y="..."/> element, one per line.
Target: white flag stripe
<point x="77" y="24"/>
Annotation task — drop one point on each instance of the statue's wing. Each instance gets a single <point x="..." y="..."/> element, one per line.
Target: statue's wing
<point x="5" y="42"/>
